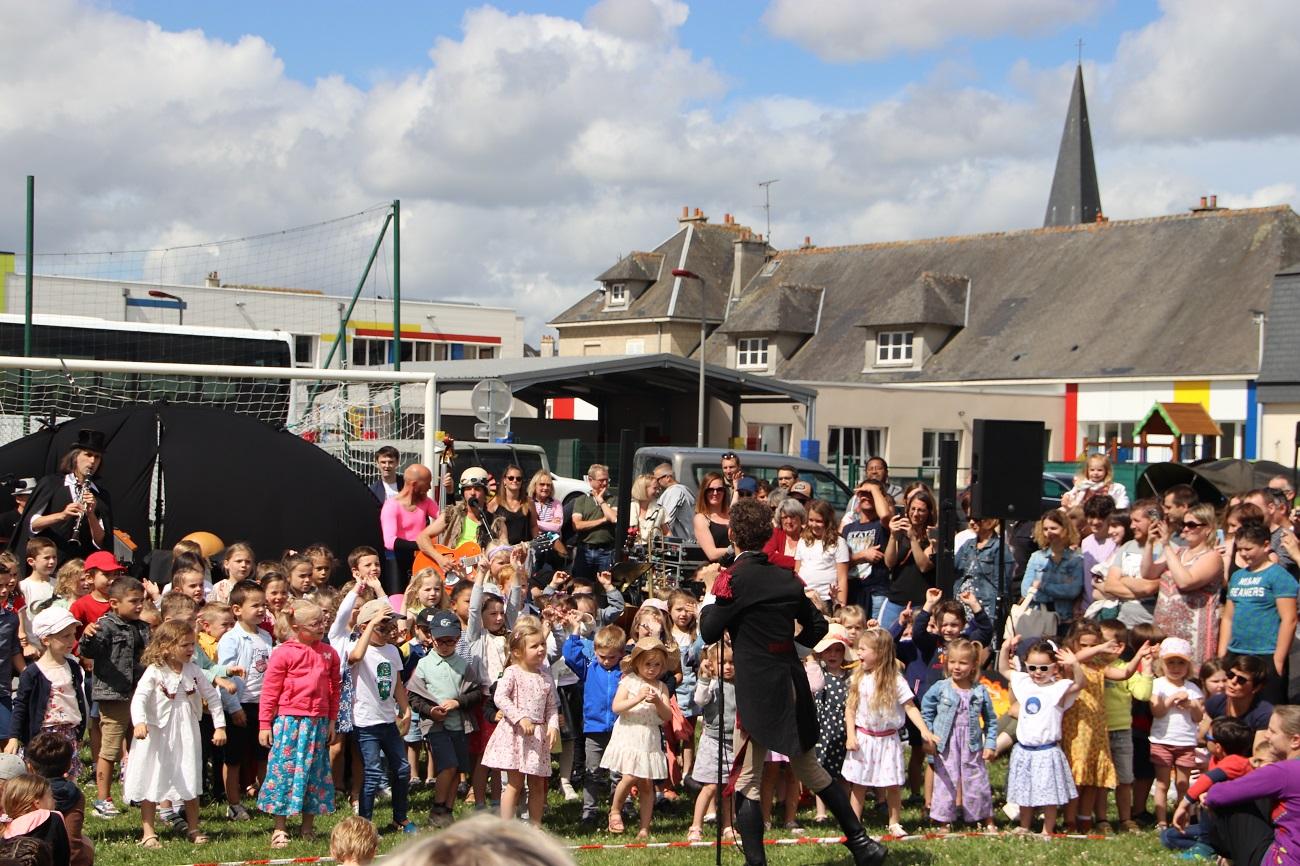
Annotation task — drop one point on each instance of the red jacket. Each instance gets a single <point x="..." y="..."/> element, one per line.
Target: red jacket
<point x="775" y="550"/>
<point x="301" y="680"/>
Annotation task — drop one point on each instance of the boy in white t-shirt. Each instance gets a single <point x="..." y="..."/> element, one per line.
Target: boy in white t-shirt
<point x="42" y="559"/>
<point x="1177" y="706"/>
<point x="380" y="713"/>
<point x="246" y="647"/>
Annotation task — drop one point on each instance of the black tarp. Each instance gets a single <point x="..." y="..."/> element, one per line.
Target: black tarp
<point x="1214" y="480"/>
<point x="222" y="472"/>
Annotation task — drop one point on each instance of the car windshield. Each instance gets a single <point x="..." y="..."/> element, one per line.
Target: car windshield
<point x="825" y="485"/>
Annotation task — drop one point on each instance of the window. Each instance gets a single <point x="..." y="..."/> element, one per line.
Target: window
<point x="849" y="448"/>
<point x="770" y="267"/>
<point x="370" y="351"/>
<point x="487" y="351"/>
<point x="768" y="437"/>
<point x="1100" y="434"/>
<point x="591" y="348"/>
<point x="617" y="295"/>
<point x="894" y="347"/>
<point x="634" y="347"/>
<point x="751" y="352"/>
<point x="423" y="350"/>
<point x="304" y="350"/>
<point x="930" y="445"/>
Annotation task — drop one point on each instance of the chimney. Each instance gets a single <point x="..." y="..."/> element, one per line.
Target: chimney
<point x="1208" y="203"/>
<point x="807" y="243"/>
<point x="1214" y="202"/>
<point x="686" y="212"/>
<point x="213" y="281"/>
<point x="750" y="255"/>
<point x="696" y="217"/>
<point x="547" y="347"/>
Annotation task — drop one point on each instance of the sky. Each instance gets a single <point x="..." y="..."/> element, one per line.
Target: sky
<point x="533" y="143"/>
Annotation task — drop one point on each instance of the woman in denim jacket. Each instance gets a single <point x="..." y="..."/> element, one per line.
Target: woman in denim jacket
<point x="976" y="564"/>
<point x="959" y="710"/>
<point x="1056" y="568"/>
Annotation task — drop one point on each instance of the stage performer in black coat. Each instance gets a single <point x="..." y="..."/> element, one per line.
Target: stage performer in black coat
<point x="757" y="604"/>
<point x="68" y="507"/>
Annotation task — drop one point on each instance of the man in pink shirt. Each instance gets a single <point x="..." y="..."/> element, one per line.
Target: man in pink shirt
<point x="402" y="519"/>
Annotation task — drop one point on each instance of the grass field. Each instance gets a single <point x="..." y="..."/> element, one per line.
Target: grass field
<point x="115" y="842"/>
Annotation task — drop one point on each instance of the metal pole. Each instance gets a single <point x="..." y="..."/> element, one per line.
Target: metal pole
<point x="27" y="303"/>
<point x="699" y="433"/>
<point x="356" y="294"/>
<point x="397" y="315"/>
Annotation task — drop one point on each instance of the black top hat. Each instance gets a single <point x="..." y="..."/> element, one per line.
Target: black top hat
<point x="88" y="440"/>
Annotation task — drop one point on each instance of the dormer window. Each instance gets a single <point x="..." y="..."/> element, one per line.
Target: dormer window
<point x="751" y="353"/>
<point x="894" y="348"/>
<point x="617" y="295"/>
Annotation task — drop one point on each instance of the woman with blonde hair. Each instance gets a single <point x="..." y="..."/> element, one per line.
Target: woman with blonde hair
<point x="513" y="505"/>
<point x="1187" y="603"/>
<point x="645" y="516"/>
<point x="1054" y="572"/>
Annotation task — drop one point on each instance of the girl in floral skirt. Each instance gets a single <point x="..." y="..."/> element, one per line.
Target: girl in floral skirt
<point x="1039" y="776"/>
<point x="300" y="700"/>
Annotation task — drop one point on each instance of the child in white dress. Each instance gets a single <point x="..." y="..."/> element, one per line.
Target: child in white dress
<point x="167" y="763"/>
<point x="879" y="701"/>
<point x="635" y="746"/>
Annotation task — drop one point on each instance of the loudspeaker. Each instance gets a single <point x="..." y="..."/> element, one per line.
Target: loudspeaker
<point x="1007" y="469"/>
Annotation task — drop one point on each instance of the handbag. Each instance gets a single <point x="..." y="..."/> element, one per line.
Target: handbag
<point x="1027" y="620"/>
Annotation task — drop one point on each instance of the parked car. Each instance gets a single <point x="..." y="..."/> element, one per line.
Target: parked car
<point x="691" y="464"/>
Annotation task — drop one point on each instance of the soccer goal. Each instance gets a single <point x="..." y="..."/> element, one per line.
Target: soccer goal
<point x="347" y="413"/>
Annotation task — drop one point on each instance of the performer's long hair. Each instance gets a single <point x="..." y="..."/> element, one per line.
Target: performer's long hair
<point x="885" y="694"/>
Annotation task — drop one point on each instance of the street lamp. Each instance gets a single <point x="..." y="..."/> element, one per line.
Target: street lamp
<point x="168" y="296"/>
<point x="690" y="275"/>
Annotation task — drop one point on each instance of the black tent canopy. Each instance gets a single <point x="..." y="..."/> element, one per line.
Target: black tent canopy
<point x="1213" y="480"/>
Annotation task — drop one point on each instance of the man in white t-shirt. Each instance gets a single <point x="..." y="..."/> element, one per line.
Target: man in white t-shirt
<point x="380" y="713"/>
<point x="1124" y="579"/>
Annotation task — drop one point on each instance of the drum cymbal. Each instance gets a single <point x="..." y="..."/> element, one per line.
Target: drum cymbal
<point x="626" y="573"/>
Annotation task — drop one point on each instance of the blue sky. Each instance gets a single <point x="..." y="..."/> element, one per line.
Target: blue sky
<point x="366" y="42"/>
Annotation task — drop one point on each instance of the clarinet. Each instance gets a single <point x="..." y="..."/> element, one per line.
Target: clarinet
<point x="79" y="488"/>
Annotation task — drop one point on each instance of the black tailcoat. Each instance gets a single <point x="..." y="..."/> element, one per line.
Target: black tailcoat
<point x="50" y="497"/>
<point x="757" y="605"/>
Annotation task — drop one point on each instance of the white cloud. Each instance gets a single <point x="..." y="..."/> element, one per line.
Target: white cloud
<point x="853" y="30"/>
<point x="645" y="20"/>
<point x="1210" y="70"/>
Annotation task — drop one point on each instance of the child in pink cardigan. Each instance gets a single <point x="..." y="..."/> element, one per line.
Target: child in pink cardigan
<point x="300" y="700"/>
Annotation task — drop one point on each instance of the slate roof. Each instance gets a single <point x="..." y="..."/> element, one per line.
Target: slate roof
<point x="709" y="253"/>
<point x="634" y="266"/>
<point x="1166" y="296"/>
<point x="788" y="310"/>
<point x="1075" y="197"/>
<point x="1279" y="376"/>
<point x="936" y="299"/>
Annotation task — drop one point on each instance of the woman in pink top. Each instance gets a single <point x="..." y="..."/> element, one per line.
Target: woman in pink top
<point x="300" y="700"/>
<point x="402" y="519"/>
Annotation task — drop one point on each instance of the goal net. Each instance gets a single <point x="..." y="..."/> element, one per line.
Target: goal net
<point x="347" y="413"/>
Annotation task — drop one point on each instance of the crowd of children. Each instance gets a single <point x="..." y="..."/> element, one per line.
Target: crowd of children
<point x="268" y="686"/>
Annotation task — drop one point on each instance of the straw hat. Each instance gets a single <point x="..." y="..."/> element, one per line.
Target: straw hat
<point x="836" y="634"/>
<point x="649" y="644"/>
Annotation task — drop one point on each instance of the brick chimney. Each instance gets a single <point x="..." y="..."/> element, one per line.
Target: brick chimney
<point x="692" y="216"/>
<point x="750" y="253"/>
<point x="547" y="349"/>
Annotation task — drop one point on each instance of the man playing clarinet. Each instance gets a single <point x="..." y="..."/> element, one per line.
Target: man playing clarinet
<point x="757" y="604"/>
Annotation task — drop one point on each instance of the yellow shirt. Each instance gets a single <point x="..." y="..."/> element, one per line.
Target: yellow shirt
<point x="208" y="644"/>
<point x="1120" y="695"/>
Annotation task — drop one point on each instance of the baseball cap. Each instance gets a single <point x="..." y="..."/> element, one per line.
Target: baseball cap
<point x="50" y="621"/>
<point x="376" y="607"/>
<point x="438" y="623"/>
<point x="104" y="561"/>
<point x="747" y="485"/>
<point x="11" y="767"/>
<point x="801" y="488"/>
<point x="475" y="476"/>
<point x="1176" y="648"/>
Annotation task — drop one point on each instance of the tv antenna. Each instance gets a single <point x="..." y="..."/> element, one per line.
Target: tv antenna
<point x="767" y="204"/>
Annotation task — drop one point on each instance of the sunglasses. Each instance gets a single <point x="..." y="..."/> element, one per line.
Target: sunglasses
<point x="715" y="490"/>
<point x="514" y="478"/>
<point x="730" y="455"/>
<point x="1192" y="524"/>
<point x="1240" y="679"/>
<point x="662" y="477"/>
<point x="744" y="495"/>
<point x="1039" y="669"/>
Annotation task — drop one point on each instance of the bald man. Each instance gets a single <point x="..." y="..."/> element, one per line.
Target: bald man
<point x="402" y="519"/>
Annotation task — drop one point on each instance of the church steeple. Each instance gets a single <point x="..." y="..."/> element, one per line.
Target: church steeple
<point x="1075" y="198"/>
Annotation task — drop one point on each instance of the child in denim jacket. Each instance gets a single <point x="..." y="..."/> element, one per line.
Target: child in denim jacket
<point x="960" y="714"/>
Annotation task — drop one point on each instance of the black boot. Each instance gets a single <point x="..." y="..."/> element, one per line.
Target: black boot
<point x="749" y="824"/>
<point x="866" y="851"/>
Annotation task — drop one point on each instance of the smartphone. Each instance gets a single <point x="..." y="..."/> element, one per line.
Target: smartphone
<point x="1219" y="534"/>
<point x="898" y="511"/>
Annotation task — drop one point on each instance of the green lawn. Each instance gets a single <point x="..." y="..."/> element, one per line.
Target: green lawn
<point x="115" y="843"/>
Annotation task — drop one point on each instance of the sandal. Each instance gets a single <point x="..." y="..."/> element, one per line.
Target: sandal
<point x="615" y="822"/>
<point x="151" y="841"/>
<point x="196" y="837"/>
<point x="693" y="835"/>
<point x="279" y="839"/>
<point x="728" y="834"/>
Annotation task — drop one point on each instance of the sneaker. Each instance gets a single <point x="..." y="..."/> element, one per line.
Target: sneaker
<point x="895" y="830"/>
<point x="440" y="817"/>
<point x="409" y="827"/>
<point x="569" y="793"/>
<point x="1198" y="852"/>
<point x="237" y="813"/>
<point x="105" y="809"/>
<point x="384" y="793"/>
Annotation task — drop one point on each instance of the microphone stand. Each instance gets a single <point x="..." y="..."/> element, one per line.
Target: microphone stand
<point x="722" y="740"/>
